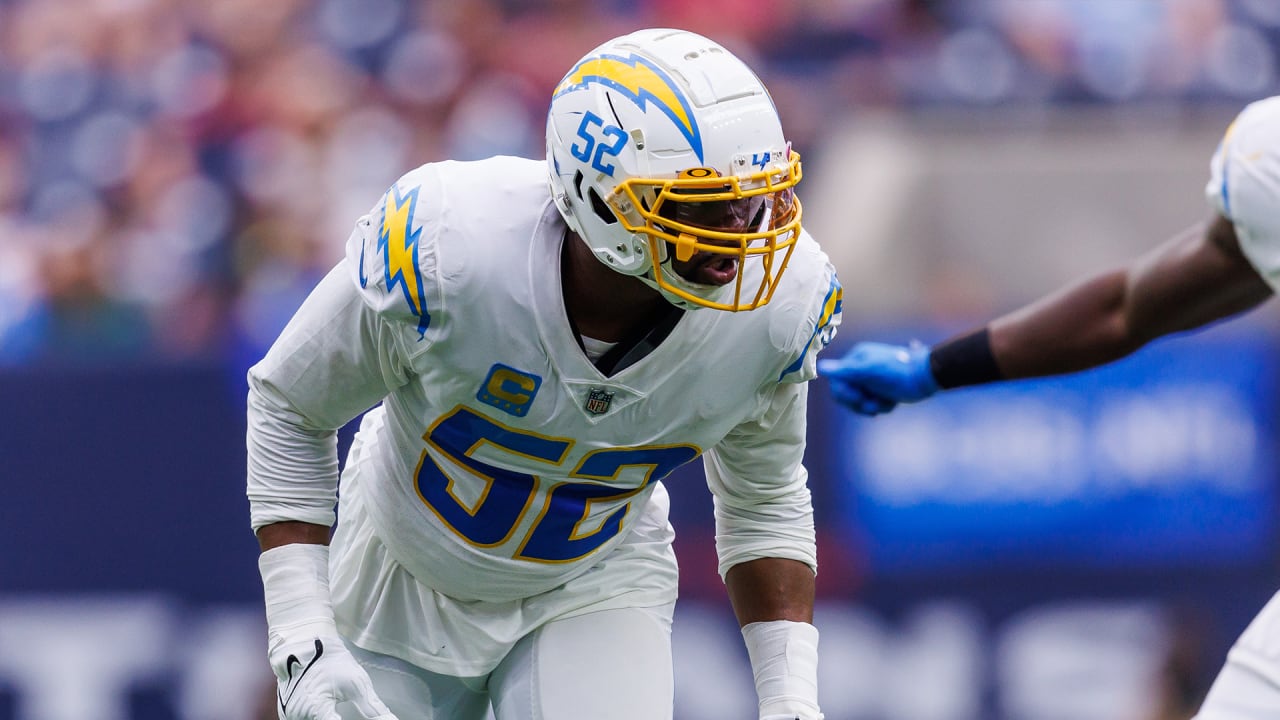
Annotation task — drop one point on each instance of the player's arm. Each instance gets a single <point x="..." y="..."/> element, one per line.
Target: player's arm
<point x="773" y="601"/>
<point x="767" y="552"/>
<point x="770" y="589"/>
<point x="286" y="532"/>
<point x="1190" y="280"/>
<point x="334" y="360"/>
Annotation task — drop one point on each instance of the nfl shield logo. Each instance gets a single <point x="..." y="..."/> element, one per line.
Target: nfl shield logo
<point x="598" y="401"/>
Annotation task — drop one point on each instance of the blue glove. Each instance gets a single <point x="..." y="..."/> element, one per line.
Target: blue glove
<point x="872" y="378"/>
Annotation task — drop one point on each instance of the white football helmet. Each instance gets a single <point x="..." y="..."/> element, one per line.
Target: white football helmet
<point x="662" y="145"/>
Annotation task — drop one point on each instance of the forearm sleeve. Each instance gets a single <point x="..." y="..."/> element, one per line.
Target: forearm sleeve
<point x="762" y="503"/>
<point x="293" y="465"/>
<point x="333" y="361"/>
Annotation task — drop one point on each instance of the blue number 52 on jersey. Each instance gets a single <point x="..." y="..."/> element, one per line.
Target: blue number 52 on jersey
<point x="557" y="534"/>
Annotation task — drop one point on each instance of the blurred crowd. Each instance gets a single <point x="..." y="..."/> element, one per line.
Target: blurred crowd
<point x="175" y="175"/>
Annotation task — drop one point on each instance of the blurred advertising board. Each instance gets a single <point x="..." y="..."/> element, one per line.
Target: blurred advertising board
<point x="1166" y="458"/>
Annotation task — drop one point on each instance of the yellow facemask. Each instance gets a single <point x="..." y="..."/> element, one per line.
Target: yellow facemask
<point x="754" y="216"/>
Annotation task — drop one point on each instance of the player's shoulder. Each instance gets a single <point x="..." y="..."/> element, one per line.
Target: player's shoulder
<point x="434" y="223"/>
<point x="809" y="282"/>
<point x="1258" y="117"/>
<point x="1244" y="184"/>
<point x="1253" y="135"/>
<point x="500" y="173"/>
<point x="1245" y="169"/>
<point x="467" y="188"/>
<point x="805" y="310"/>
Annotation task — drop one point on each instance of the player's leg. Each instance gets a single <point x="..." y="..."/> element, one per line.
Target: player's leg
<point x="412" y="692"/>
<point x="612" y="664"/>
<point x="1248" y="686"/>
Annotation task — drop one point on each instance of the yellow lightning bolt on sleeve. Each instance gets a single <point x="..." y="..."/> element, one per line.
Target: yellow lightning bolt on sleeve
<point x="400" y="248"/>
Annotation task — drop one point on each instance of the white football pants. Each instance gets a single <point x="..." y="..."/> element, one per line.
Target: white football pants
<point x="612" y="664"/>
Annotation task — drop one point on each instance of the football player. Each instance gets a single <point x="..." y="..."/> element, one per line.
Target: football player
<point x="545" y="342"/>
<point x="1226" y="266"/>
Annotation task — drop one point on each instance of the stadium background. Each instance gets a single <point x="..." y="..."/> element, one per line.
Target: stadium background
<point x="175" y="175"/>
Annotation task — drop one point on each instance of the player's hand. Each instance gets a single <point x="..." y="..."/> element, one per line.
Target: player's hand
<point x="872" y="378"/>
<point x="315" y="672"/>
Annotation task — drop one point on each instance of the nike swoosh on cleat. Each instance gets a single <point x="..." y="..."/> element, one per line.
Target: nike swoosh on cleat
<point x="291" y="682"/>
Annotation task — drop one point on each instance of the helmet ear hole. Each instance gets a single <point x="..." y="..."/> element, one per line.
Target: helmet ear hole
<point x="577" y="183"/>
<point x="601" y="209"/>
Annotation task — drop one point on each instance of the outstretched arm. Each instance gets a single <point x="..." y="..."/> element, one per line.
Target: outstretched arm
<point x="1190" y="280"/>
<point x="1186" y="282"/>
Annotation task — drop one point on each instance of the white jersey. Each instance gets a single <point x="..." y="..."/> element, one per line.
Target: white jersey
<point x="1244" y="184"/>
<point x="1248" y="686"/>
<point x="504" y="463"/>
<point x="1245" y="187"/>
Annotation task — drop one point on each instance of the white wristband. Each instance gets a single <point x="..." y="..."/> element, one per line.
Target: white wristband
<point x="784" y="660"/>
<point x="295" y="583"/>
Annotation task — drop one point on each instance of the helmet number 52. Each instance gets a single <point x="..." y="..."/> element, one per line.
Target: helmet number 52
<point x="595" y="145"/>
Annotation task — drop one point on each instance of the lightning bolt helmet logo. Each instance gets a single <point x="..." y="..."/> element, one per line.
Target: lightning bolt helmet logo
<point x="641" y="81"/>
